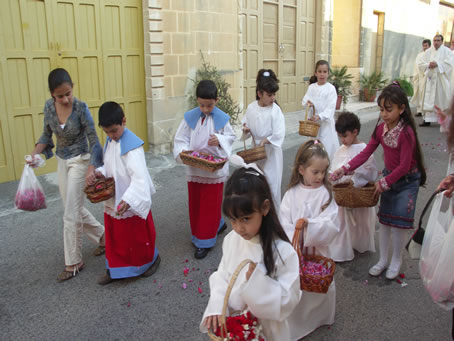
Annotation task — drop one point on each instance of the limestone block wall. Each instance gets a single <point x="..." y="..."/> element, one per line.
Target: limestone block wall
<point x="403" y="34"/>
<point x="176" y="32"/>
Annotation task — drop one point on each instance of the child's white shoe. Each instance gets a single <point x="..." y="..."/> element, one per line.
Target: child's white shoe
<point x="391" y="273"/>
<point x="376" y="270"/>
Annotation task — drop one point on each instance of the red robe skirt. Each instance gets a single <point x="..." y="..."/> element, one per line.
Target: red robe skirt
<point x="205" y="201"/>
<point x="130" y="245"/>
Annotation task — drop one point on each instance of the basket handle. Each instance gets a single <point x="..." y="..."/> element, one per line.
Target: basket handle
<point x="253" y="141"/>
<point x="227" y="295"/>
<point x="307" y="110"/>
<point x="296" y="243"/>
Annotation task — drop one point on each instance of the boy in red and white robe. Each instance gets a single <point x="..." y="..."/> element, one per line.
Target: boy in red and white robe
<point x="205" y="129"/>
<point x="129" y="228"/>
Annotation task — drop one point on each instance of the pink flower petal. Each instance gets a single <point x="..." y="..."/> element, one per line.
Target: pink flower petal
<point x="200" y="290"/>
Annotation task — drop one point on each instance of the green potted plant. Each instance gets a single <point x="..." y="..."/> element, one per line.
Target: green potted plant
<point x="371" y="84"/>
<point x="405" y="85"/>
<point x="226" y="103"/>
<point x="342" y="82"/>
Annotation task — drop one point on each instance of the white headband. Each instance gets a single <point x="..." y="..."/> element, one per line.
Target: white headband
<point x="238" y="161"/>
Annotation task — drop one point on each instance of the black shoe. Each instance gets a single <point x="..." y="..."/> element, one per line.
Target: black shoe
<point x="425" y="124"/>
<point x="201" y="253"/>
<point x="419" y="114"/>
<point x="222" y="229"/>
<point x="152" y="269"/>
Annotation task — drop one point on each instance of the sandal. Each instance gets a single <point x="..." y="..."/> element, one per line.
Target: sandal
<point x="68" y="274"/>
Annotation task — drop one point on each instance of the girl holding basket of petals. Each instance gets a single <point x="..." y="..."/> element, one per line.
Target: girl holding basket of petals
<point x="321" y="97"/>
<point x="269" y="288"/>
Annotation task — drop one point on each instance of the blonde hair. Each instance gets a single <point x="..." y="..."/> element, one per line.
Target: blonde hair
<point x="306" y="152"/>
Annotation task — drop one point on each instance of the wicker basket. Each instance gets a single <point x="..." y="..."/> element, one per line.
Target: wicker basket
<point x="223" y="327"/>
<point x="253" y="154"/>
<point x="309" y="128"/>
<point x="346" y="195"/>
<point x="101" y="190"/>
<point x="193" y="161"/>
<point x="312" y="283"/>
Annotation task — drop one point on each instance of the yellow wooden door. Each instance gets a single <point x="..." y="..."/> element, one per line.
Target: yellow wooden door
<point x="99" y="42"/>
<point x="279" y="34"/>
<point x="26" y="58"/>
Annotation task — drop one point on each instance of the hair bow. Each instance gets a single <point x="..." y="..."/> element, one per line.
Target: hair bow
<point x="238" y="161"/>
<point x="395" y="83"/>
<point x="266" y="74"/>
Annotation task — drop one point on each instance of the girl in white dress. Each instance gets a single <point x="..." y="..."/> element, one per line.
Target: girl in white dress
<point x="309" y="202"/>
<point x="357" y="225"/>
<point x="270" y="287"/>
<point x="265" y="122"/>
<point x="322" y="96"/>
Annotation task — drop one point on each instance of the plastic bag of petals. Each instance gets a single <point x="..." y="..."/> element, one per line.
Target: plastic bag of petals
<point x="243" y="327"/>
<point x="30" y="194"/>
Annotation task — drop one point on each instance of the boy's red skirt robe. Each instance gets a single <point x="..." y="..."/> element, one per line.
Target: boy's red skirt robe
<point x="130" y="245"/>
<point x="205" y="202"/>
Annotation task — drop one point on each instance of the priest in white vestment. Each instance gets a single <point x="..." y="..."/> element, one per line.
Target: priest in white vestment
<point x="436" y="65"/>
<point x="418" y="79"/>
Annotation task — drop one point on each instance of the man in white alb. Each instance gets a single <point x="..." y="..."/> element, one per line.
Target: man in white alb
<point x="436" y="65"/>
<point x="418" y="79"/>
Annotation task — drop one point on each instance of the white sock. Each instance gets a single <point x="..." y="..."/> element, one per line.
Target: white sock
<point x="399" y="240"/>
<point x="383" y="245"/>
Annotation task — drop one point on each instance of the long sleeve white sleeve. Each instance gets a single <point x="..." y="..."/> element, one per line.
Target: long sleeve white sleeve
<point x="322" y="230"/>
<point x="282" y="291"/>
<point x="138" y="194"/>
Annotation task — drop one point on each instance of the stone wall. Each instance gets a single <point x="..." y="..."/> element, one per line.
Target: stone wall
<point x="176" y="33"/>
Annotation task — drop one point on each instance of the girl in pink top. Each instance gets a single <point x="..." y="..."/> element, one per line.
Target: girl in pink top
<point x="403" y="174"/>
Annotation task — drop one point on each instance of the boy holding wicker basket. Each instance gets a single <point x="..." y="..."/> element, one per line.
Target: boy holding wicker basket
<point x="205" y="129"/>
<point x="357" y="225"/>
<point x="130" y="230"/>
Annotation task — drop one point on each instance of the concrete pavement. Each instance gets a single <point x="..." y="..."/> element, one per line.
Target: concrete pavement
<point x="33" y="306"/>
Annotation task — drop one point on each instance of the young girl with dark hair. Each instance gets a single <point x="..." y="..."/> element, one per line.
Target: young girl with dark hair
<point x="309" y="203"/>
<point x="265" y="122"/>
<point x="403" y="174"/>
<point x="270" y="287"/>
<point x="321" y="97"/>
<point x="78" y="154"/>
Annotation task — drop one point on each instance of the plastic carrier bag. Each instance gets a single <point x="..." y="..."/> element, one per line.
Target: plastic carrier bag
<point x="30" y="194"/>
<point x="437" y="254"/>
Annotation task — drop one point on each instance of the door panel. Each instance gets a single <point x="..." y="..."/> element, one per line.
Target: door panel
<point x="285" y="43"/>
<point x="100" y="43"/>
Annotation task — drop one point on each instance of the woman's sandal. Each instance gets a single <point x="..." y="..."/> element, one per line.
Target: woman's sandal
<point x="66" y="274"/>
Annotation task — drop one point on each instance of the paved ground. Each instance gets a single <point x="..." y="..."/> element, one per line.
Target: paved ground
<point x="33" y="306"/>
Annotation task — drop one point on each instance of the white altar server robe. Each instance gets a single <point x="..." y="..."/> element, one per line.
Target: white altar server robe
<point x="357" y="225"/>
<point x="133" y="182"/>
<point x="324" y="98"/>
<point x="270" y="299"/>
<point x="197" y="139"/>
<point x="268" y="122"/>
<point x="314" y="309"/>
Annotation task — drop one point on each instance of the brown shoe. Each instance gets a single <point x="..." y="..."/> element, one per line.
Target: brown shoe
<point x="105" y="279"/>
<point x="152" y="269"/>
<point x="68" y="274"/>
<point x="100" y="250"/>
